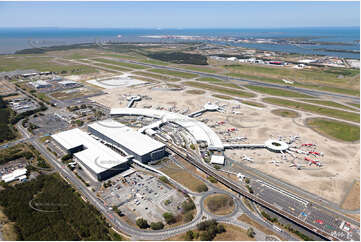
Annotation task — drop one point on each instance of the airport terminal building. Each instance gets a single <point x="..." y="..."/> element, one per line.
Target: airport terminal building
<point x="134" y="143"/>
<point x="97" y="159"/>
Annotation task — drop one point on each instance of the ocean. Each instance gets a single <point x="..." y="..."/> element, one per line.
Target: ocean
<point x="345" y="38"/>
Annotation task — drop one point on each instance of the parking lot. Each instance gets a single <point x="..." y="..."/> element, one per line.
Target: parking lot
<point x="48" y="123"/>
<point x="142" y="195"/>
<point x="304" y="210"/>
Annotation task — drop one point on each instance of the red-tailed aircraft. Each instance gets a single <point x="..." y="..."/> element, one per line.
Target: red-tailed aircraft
<point x="309" y="145"/>
<point x="232" y="129"/>
<point x="317" y="163"/>
<point x="220" y="122"/>
<point x="315" y="153"/>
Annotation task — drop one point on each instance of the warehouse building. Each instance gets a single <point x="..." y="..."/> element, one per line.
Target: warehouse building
<point x="100" y="161"/>
<point x="40" y="84"/>
<point x="134" y="143"/>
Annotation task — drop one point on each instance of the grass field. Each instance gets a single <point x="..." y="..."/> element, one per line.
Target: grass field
<point x="174" y="73"/>
<point x="219" y="204"/>
<point x="316" y="85"/>
<point x="123" y="64"/>
<point x="156" y="76"/>
<point x="195" y="92"/>
<point x="222" y="97"/>
<point x="183" y="177"/>
<point x="337" y="130"/>
<point x="277" y="92"/>
<point x="357" y="105"/>
<point x="252" y="103"/>
<point x="233" y="233"/>
<point x="219" y="89"/>
<point x="200" y="69"/>
<point x="354" y="117"/>
<point x="113" y="67"/>
<point x="246" y="219"/>
<point x="219" y="82"/>
<point x="352" y="201"/>
<point x="330" y="103"/>
<point x="285" y="113"/>
<point x="326" y="75"/>
<point x="15" y="62"/>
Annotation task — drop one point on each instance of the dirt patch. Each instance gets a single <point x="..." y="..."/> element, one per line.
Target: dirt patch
<point x="352" y="200"/>
<point x="219" y="204"/>
<point x="285" y="113"/>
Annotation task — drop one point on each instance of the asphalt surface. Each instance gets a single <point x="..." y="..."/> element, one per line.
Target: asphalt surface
<point x="253" y="82"/>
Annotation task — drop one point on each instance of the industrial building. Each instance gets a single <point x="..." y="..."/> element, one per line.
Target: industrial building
<point x="69" y="83"/>
<point x="100" y="161"/>
<point x="40" y="84"/>
<point x="18" y="174"/>
<point x="134" y="143"/>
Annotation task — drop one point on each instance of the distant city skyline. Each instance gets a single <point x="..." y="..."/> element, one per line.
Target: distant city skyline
<point x="182" y="15"/>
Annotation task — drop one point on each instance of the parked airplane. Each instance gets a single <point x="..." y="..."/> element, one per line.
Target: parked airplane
<point x="308" y="145"/>
<point x="315" y="153"/>
<point x="232" y="129"/>
<point x="241" y="138"/>
<point x="287" y="81"/>
<point x="298" y="167"/>
<point x="240" y="176"/>
<point x="317" y="163"/>
<point x="245" y="157"/>
<point x="275" y="162"/>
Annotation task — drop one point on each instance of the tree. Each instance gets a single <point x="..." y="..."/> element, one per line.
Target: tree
<point x="169" y="218"/>
<point x="66" y="157"/>
<point x="246" y="180"/>
<point x="192" y="146"/>
<point x="188" y="206"/>
<point x="220" y="229"/>
<point x="189" y="235"/>
<point x="188" y="217"/>
<point x="142" y="223"/>
<point x="250" y="232"/>
<point x="205" y="236"/>
<point x="164" y="179"/>
<point x="217" y="167"/>
<point x="157" y="225"/>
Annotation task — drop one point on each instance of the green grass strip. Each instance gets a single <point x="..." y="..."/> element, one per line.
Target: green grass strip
<point x="354" y="117"/>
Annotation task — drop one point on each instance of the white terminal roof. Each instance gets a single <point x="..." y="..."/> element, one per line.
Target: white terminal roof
<point x="199" y="130"/>
<point x="217" y="159"/>
<point x="138" y="143"/>
<point x="96" y="156"/>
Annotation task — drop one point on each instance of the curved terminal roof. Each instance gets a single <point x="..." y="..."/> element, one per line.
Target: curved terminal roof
<point x="199" y="130"/>
<point x="276" y="145"/>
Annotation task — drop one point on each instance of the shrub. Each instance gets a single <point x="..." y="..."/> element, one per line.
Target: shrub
<point x="212" y="179"/>
<point x="250" y="232"/>
<point x="188" y="217"/>
<point x="169" y="218"/>
<point x="142" y="223"/>
<point x="189" y="235"/>
<point x="157" y="225"/>
<point x="202" y="188"/>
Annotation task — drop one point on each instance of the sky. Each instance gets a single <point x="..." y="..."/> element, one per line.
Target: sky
<point x="179" y="14"/>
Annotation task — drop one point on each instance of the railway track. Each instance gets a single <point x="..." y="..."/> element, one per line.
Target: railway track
<point x="250" y="196"/>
